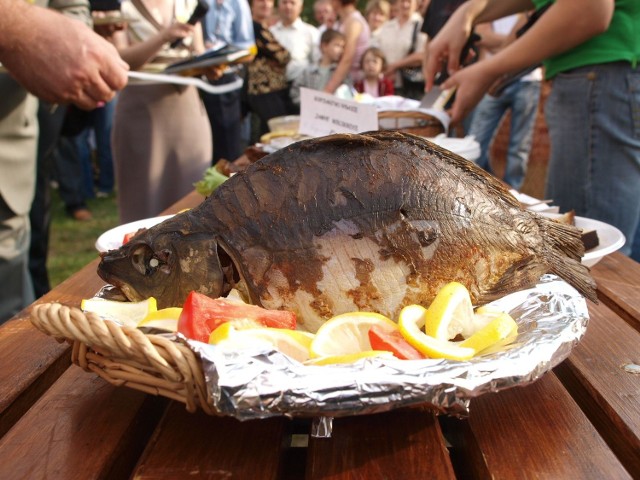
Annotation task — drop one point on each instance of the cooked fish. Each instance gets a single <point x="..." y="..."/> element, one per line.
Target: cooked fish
<point x="350" y="222"/>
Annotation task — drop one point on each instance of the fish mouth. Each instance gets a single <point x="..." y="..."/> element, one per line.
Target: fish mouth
<point x="112" y="279"/>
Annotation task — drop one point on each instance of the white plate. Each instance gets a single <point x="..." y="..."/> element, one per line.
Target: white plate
<point x="533" y="204"/>
<point x="112" y="239"/>
<point x="611" y="239"/>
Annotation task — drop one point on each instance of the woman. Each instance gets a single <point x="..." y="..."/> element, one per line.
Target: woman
<point x="403" y="44"/>
<point x="355" y="28"/>
<point x="267" y="89"/>
<point x="377" y="12"/>
<point x="161" y="136"/>
<point x="590" y="51"/>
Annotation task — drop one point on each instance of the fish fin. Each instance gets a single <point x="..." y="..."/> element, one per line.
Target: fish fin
<point x="521" y="274"/>
<point x="563" y="254"/>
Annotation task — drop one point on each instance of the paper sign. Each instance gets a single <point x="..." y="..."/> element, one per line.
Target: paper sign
<point x="323" y="114"/>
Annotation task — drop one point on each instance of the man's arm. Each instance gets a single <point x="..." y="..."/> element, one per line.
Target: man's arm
<point x="58" y="59"/>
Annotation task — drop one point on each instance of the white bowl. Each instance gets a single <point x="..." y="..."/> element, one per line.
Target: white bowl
<point x="611" y="239"/>
<point x="287" y="122"/>
<point x="112" y="239"/>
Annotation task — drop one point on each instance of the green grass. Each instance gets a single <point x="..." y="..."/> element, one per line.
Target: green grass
<point x="71" y="244"/>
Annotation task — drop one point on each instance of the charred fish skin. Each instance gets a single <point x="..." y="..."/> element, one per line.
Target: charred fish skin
<point x="368" y="222"/>
<point x="378" y="221"/>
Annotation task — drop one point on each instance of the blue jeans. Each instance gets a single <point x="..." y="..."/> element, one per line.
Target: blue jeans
<point x="593" y="115"/>
<point x="522" y="99"/>
<point x="101" y="121"/>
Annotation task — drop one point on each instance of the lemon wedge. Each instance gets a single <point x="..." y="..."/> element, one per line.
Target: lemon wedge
<point x="412" y="320"/>
<point x="501" y="328"/>
<point x="347" y="334"/>
<point x="349" y="358"/>
<point x="450" y="313"/>
<point x="164" y="319"/>
<point x="125" y="313"/>
<point x="292" y="343"/>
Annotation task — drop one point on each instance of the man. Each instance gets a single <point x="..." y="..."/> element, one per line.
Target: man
<point x="227" y="22"/>
<point x="301" y="39"/>
<point x="76" y="66"/>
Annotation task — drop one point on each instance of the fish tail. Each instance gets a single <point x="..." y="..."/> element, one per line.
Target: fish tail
<point x="564" y="253"/>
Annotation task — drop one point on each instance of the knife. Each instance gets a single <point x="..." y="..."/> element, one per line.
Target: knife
<point x="200" y="11"/>
<point x="443" y="99"/>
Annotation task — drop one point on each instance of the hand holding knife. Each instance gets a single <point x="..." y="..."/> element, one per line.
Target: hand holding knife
<point x="200" y="11"/>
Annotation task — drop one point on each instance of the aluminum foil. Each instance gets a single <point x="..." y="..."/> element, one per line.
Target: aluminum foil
<point x="552" y="318"/>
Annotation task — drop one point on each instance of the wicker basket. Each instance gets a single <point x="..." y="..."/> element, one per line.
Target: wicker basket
<point x="415" y="122"/>
<point x="127" y="357"/>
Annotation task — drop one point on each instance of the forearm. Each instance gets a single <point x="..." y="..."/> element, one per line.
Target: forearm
<point x="340" y="73"/>
<point x="567" y="24"/>
<point x="138" y="54"/>
<point x="14" y="25"/>
<point x="481" y="11"/>
<point x="412" y="60"/>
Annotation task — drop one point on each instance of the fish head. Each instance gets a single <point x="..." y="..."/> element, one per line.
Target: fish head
<point x="166" y="262"/>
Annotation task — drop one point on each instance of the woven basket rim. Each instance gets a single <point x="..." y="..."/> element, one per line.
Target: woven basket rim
<point x="126" y="356"/>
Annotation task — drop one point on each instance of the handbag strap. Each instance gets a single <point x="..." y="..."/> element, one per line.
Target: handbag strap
<point x="414" y="37"/>
<point x="146" y="14"/>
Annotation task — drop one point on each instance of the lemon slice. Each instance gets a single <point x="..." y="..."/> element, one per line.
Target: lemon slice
<point x="348" y="333"/>
<point x="125" y="313"/>
<point x="290" y="342"/>
<point x="411" y="321"/>
<point x="164" y="319"/>
<point x="450" y="313"/>
<point x="349" y="358"/>
<point x="501" y="328"/>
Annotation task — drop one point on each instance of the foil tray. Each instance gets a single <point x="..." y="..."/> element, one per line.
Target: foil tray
<point x="552" y="318"/>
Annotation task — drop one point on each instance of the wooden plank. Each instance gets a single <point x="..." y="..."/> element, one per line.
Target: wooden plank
<point x="196" y="445"/>
<point x="401" y="444"/>
<point x="191" y="200"/>
<point x="32" y="361"/>
<point x="618" y="279"/>
<point x="608" y="393"/>
<point x="82" y="428"/>
<point x="538" y="431"/>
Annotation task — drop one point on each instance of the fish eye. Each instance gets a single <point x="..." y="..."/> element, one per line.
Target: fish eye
<point x="143" y="260"/>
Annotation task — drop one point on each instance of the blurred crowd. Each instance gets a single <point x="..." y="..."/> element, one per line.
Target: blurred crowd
<point x="91" y="133"/>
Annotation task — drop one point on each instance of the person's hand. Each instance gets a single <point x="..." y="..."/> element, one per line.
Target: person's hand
<point x="214" y="72"/>
<point x="471" y="83"/>
<point x="390" y="71"/>
<point x="177" y="31"/>
<point x="61" y="60"/>
<point x="445" y="48"/>
<point x="105" y="28"/>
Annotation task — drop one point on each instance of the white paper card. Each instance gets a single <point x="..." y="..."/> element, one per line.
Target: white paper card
<point x="323" y="114"/>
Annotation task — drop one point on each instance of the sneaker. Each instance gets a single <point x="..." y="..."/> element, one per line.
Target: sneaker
<point x="82" y="215"/>
<point x="101" y="194"/>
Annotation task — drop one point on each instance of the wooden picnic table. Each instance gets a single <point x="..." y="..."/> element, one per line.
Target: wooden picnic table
<point x="581" y="421"/>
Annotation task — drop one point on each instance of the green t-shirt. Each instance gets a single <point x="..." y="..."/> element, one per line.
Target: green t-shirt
<point x="621" y="41"/>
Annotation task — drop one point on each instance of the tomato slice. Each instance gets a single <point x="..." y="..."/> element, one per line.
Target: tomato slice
<point x="394" y="342"/>
<point x="128" y="236"/>
<point x="201" y="315"/>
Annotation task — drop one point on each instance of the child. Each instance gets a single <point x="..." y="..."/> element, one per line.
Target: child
<point x="374" y="82"/>
<point x="316" y="76"/>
